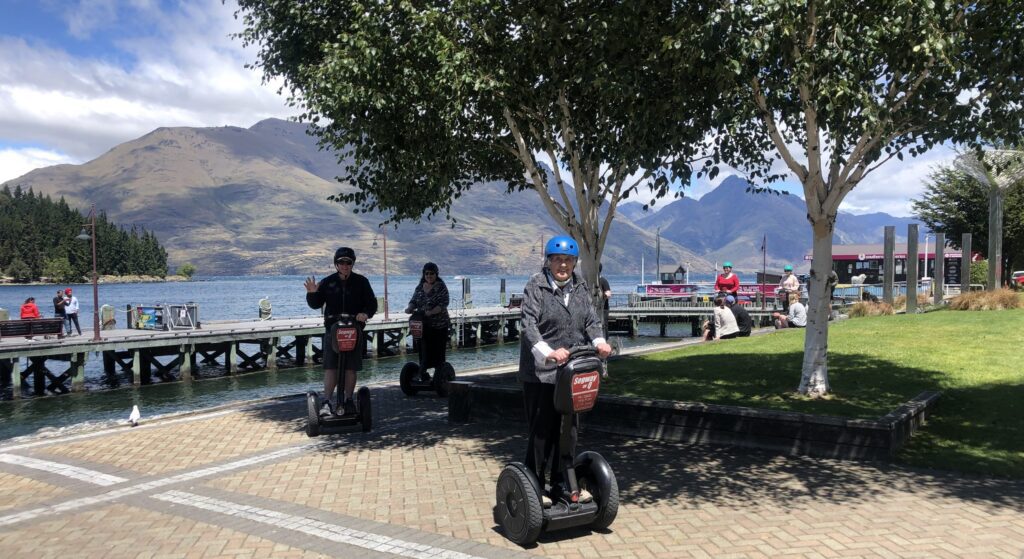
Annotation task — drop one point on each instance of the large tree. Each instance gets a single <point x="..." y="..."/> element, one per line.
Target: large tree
<point x="835" y="89"/>
<point x="581" y="101"/>
<point x="956" y="203"/>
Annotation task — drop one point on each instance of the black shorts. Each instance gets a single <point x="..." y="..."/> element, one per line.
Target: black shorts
<point x="351" y="360"/>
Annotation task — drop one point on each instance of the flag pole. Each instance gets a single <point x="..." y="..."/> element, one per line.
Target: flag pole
<point x="764" y="269"/>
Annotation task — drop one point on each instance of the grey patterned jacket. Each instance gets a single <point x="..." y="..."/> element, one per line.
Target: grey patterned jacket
<point x="546" y="317"/>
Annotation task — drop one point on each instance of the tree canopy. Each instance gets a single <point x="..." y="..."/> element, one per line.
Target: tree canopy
<point x="581" y="101"/>
<point x="834" y="89"/>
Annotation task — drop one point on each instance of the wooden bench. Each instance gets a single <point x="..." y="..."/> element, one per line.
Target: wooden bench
<point x="32" y="327"/>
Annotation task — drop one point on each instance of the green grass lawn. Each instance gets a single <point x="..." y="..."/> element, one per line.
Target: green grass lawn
<point x="975" y="358"/>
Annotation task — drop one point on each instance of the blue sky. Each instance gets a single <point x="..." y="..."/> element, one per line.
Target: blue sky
<point x="78" y="77"/>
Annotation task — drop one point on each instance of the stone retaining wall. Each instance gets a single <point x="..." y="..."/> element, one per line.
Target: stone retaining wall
<point x="785" y="432"/>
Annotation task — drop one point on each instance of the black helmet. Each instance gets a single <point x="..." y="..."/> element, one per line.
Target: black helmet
<point x="430" y="267"/>
<point x="344" y="252"/>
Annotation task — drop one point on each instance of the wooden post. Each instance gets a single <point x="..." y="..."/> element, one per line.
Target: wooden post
<point x="230" y="357"/>
<point x="137" y="367"/>
<point x="185" y="366"/>
<point x="662" y="326"/>
<point x="272" y="354"/>
<point x="16" y="378"/>
<point x="965" y="263"/>
<point x="502" y="323"/>
<point x="402" y="345"/>
<point x="889" y="263"/>
<point x="78" y="372"/>
<point x="479" y="332"/>
<point x="938" y="285"/>
<point x="912" y="276"/>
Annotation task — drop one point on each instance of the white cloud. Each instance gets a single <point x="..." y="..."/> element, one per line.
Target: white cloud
<point x="187" y="71"/>
<point x="891" y="187"/>
<point x="15" y="162"/>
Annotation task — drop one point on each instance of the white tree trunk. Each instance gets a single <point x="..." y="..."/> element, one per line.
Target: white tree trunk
<point x="814" y="380"/>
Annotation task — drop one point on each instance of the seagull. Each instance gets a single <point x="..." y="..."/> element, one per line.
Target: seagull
<point x="134" y="417"/>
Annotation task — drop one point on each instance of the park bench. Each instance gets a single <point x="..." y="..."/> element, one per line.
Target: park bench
<point x="32" y="327"/>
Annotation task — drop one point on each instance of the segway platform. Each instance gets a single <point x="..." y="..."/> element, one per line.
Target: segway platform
<point x="519" y="509"/>
<point x="345" y="340"/>
<point x="413" y="378"/>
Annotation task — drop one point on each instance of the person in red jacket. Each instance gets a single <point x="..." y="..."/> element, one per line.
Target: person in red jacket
<point x="29" y="309"/>
<point x="728" y="282"/>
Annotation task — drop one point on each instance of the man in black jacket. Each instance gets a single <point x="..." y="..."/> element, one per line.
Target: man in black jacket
<point x="343" y="292"/>
<point x="743" y="319"/>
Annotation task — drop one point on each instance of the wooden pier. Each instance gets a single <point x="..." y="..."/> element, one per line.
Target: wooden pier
<point x="224" y="346"/>
<point x="626" y="320"/>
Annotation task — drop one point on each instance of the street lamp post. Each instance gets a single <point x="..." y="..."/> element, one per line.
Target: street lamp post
<point x="83" y="236"/>
<point x="384" y="236"/>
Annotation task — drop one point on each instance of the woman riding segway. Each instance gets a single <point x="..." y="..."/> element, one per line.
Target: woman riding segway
<point x="557" y="315"/>
<point x="429" y="323"/>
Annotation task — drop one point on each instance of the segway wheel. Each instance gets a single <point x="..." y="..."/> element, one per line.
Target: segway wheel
<point x="409" y="372"/>
<point x="365" y="409"/>
<point x="518" y="509"/>
<point x="444" y="374"/>
<point x="313" y="414"/>
<point x="595" y="475"/>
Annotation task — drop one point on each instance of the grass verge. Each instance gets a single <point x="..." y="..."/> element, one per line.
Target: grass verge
<point x="875" y="364"/>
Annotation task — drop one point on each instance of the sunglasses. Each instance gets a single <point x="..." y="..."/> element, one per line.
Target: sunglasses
<point x="345" y="262"/>
<point x="430" y="273"/>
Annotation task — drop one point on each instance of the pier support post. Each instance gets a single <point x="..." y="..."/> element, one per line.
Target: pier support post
<point x="502" y="323"/>
<point x="78" y="372"/>
<point x="16" y="378"/>
<point x="695" y="326"/>
<point x="137" y="367"/>
<point x="402" y="345"/>
<point x="109" y="364"/>
<point x="272" y="354"/>
<point x="309" y="350"/>
<point x="634" y="326"/>
<point x="663" y="327"/>
<point x="479" y="333"/>
<point x="185" y="366"/>
<point x="230" y="357"/>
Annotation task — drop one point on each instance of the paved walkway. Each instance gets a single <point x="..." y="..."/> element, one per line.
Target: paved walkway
<point x="247" y="482"/>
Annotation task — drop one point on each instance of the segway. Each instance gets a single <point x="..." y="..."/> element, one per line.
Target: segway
<point x="344" y="338"/>
<point x="414" y="376"/>
<point x="519" y="510"/>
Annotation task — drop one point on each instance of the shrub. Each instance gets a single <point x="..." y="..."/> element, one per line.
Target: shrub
<point x="900" y="303"/>
<point x="870" y="309"/>
<point x="986" y="301"/>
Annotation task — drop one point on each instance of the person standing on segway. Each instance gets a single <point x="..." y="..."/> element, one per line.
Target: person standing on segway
<point x="343" y="292"/>
<point x="557" y="314"/>
<point x="431" y="299"/>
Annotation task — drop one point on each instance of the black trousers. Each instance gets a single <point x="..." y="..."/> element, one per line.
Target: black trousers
<point x="434" y="347"/>
<point x="542" y="449"/>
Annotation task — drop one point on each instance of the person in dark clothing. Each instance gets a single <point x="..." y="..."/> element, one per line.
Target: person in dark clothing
<point x="59" y="305"/>
<point x="743" y="320"/>
<point x="343" y="292"/>
<point x="431" y="298"/>
<point x="557" y="314"/>
<point x="606" y="296"/>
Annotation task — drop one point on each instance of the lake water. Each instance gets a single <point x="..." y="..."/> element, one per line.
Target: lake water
<point x="108" y="400"/>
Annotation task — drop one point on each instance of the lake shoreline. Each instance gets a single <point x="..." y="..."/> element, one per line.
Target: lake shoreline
<point x="104" y="280"/>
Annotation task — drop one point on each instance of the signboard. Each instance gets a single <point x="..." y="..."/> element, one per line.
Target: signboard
<point x="584" y="390"/>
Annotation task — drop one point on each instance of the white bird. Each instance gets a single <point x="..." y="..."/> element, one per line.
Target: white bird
<point x="135" y="416"/>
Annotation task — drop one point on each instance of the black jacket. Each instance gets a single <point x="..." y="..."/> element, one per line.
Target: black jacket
<point x="351" y="296"/>
<point x="742" y="318"/>
<point x="546" y="317"/>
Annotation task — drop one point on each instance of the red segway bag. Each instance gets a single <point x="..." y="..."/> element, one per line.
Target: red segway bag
<point x="577" y="384"/>
<point x="416" y="326"/>
<point x="345" y="337"/>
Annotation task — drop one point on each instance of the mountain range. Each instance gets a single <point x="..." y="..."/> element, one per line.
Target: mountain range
<point x="253" y="200"/>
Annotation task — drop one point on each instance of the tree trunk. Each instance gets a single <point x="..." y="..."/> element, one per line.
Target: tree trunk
<point x="814" y="379"/>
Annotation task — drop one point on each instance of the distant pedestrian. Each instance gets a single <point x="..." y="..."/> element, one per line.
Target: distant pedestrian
<point x="833" y="280"/>
<point x="789" y="284"/>
<point x="71" y="309"/>
<point x="743" y="320"/>
<point x="606" y="296"/>
<point x="728" y="282"/>
<point x="59" y="303"/>
<point x="795" y="318"/>
<point x="725" y="322"/>
<point x="29" y="309"/>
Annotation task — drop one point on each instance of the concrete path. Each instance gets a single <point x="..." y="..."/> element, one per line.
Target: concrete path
<point x="247" y="482"/>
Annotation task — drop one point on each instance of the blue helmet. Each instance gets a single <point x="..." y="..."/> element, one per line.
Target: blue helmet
<point x="562" y="245"/>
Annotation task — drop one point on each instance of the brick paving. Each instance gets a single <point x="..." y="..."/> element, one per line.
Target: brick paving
<point x="249" y="483"/>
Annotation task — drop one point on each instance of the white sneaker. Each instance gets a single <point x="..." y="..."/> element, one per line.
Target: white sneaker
<point x="546" y="501"/>
<point x="585" y="496"/>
